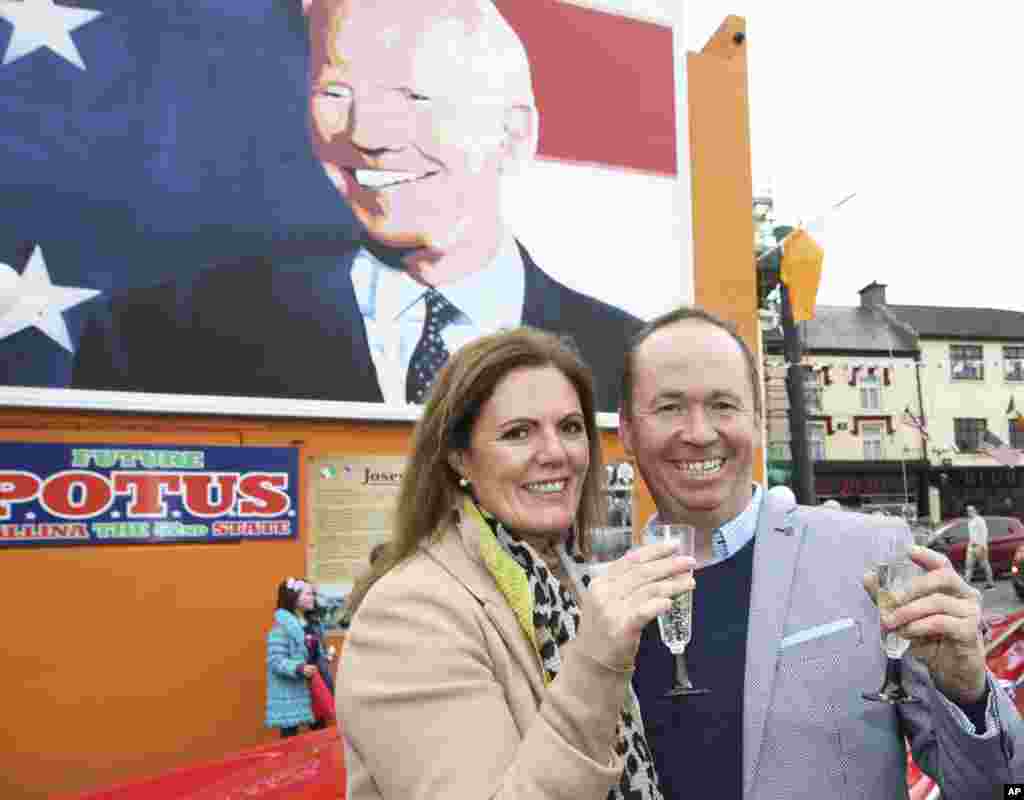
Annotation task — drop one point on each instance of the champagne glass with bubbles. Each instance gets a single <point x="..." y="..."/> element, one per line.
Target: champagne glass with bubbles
<point x="895" y="572"/>
<point x="676" y="624"/>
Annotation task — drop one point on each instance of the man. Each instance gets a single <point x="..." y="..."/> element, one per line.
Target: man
<point x="785" y="636"/>
<point x="977" y="548"/>
<point x="417" y="111"/>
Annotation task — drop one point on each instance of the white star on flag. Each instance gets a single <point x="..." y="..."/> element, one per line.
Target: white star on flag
<point x="30" y="299"/>
<point x="42" y="23"/>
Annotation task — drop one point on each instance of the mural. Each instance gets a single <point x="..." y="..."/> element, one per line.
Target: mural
<point x="303" y="206"/>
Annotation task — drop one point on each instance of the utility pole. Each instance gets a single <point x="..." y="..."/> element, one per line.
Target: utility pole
<point x="796" y="392"/>
<point x="797" y="373"/>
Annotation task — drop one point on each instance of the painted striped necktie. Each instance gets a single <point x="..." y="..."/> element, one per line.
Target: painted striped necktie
<point x="430" y="353"/>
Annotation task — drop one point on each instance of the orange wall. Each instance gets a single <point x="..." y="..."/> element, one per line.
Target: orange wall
<point x="138" y="658"/>
<point x="123" y="661"/>
<point x="722" y="186"/>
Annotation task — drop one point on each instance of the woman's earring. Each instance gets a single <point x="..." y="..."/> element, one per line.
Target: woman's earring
<point x="463" y="483"/>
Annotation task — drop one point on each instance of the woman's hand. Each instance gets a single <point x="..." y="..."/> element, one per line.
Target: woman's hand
<point x="309" y="670"/>
<point x="619" y="604"/>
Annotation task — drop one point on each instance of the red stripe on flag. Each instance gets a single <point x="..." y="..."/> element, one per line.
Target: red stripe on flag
<point x="604" y="84"/>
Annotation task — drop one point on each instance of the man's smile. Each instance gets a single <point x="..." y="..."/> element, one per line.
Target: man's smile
<point x="706" y="468"/>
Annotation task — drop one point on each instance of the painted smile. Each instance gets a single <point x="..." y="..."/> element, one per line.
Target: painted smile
<point x="377" y="179"/>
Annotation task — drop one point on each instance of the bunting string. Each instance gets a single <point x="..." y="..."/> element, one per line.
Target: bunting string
<point x="847" y="365"/>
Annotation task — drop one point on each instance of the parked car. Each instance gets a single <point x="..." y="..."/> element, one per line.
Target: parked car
<point x="1017" y="572"/>
<point x="1005" y="535"/>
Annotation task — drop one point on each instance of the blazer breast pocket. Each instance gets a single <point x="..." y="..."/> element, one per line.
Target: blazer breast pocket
<point x="827" y="640"/>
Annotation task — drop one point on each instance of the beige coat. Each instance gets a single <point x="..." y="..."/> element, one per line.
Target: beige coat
<point x="441" y="695"/>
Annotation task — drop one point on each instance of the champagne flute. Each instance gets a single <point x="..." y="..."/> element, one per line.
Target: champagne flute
<point x="894" y="576"/>
<point x="675" y="624"/>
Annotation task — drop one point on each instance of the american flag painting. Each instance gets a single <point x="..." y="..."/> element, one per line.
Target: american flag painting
<point x="178" y="227"/>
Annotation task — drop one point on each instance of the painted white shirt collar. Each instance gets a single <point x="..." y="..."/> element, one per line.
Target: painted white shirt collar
<point x="392" y="307"/>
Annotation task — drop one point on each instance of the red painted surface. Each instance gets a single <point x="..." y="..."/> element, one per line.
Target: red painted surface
<point x="310" y="766"/>
<point x="1006" y="662"/>
<point x="604" y="84"/>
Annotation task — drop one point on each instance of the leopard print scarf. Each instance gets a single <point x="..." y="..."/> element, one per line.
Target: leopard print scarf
<point x="556" y="619"/>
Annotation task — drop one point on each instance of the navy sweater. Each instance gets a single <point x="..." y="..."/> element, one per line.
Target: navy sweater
<point x="697" y="741"/>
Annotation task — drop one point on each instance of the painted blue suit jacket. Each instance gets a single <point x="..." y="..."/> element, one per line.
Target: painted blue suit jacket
<point x="291" y="328"/>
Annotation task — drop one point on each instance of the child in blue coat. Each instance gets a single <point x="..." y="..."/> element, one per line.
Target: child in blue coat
<point x="289" y="703"/>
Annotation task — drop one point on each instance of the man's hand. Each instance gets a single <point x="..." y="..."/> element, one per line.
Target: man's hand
<point x="941" y="616"/>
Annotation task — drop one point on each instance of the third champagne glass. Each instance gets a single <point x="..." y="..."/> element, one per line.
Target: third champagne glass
<point x="894" y="575"/>
<point x="676" y="624"/>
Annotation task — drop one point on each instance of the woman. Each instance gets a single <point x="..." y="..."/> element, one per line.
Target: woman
<point x="475" y="666"/>
<point x="316" y="653"/>
<point x="288" y="698"/>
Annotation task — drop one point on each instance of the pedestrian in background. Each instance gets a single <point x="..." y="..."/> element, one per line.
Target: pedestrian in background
<point x="317" y="654"/>
<point x="977" y="547"/>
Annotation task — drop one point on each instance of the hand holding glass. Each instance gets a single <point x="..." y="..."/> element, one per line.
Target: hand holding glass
<point x="894" y="576"/>
<point x="675" y="624"/>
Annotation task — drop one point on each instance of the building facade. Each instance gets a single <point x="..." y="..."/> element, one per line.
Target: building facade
<point x="877" y="374"/>
<point x="861" y="374"/>
<point x="972" y="383"/>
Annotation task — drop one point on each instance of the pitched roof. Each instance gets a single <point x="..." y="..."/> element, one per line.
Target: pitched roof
<point x="850" y="328"/>
<point x="944" y="322"/>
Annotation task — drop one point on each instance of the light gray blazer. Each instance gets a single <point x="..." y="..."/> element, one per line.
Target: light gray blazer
<point x="813" y="647"/>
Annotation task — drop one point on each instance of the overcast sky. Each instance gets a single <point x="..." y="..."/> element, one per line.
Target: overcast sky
<point x="916" y="109"/>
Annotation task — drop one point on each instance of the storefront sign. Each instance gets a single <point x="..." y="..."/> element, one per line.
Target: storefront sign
<point x="99" y="494"/>
<point x="856" y="485"/>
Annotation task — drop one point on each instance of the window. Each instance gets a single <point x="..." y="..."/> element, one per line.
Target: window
<point x="870" y="392"/>
<point x="1013" y="363"/>
<point x="967" y="362"/>
<point x="816" y="440"/>
<point x="967" y="431"/>
<point x="871" y="433"/>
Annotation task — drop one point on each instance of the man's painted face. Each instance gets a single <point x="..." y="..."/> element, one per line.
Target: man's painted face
<point x="693" y="428"/>
<point x="407" y="120"/>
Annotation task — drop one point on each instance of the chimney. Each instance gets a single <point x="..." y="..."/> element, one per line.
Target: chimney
<point x="872" y="295"/>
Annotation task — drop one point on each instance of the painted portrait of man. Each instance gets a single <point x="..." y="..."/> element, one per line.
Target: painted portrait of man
<point x="419" y="117"/>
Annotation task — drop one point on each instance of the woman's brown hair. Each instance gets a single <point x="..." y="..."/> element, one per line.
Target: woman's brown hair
<point x="430" y="486"/>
